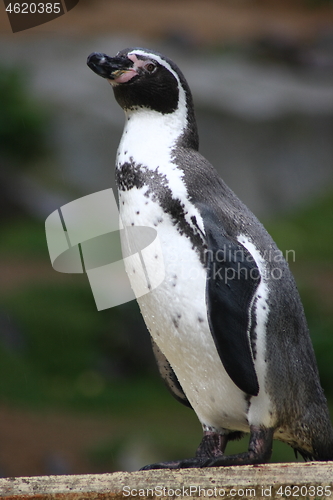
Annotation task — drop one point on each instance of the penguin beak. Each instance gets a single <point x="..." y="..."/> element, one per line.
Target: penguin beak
<point x="116" y="70"/>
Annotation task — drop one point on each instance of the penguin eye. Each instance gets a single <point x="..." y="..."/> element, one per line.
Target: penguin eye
<point x="150" y="67"/>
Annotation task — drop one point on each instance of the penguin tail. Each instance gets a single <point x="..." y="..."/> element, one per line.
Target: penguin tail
<point x="323" y="447"/>
<point x="325" y="454"/>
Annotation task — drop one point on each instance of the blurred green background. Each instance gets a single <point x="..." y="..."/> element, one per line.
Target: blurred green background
<point x="79" y="388"/>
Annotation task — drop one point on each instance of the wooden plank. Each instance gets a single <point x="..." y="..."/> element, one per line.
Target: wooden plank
<point x="274" y="481"/>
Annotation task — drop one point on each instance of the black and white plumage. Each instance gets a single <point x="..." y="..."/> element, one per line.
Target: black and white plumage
<point x="227" y="324"/>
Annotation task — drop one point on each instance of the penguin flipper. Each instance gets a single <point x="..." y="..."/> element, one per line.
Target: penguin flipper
<point x="169" y="376"/>
<point x="232" y="280"/>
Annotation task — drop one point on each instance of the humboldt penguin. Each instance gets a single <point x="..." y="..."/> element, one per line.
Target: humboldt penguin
<point x="227" y="324"/>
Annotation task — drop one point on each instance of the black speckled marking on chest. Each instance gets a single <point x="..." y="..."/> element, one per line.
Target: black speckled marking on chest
<point x="130" y="175"/>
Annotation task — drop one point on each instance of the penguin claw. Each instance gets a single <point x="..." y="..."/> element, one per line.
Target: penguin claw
<point x="195" y="463"/>
<point x="187" y="463"/>
<point x="240" y="459"/>
<point x="161" y="465"/>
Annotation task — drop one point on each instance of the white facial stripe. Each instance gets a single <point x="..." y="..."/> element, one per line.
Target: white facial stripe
<point x="154" y="57"/>
<point x="182" y="97"/>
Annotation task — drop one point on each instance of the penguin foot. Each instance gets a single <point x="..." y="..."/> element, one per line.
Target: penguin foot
<point x="212" y="446"/>
<point x="210" y="452"/>
<point x="259" y="452"/>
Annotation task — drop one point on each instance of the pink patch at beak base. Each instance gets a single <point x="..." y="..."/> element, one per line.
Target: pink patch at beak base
<point x="123" y="76"/>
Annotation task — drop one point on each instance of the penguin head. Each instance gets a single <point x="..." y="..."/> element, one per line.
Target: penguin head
<point x="142" y="78"/>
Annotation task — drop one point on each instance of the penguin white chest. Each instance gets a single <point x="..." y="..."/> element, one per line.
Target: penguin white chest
<point x="176" y="316"/>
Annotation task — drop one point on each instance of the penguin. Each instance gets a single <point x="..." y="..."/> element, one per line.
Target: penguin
<point x="227" y="324"/>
